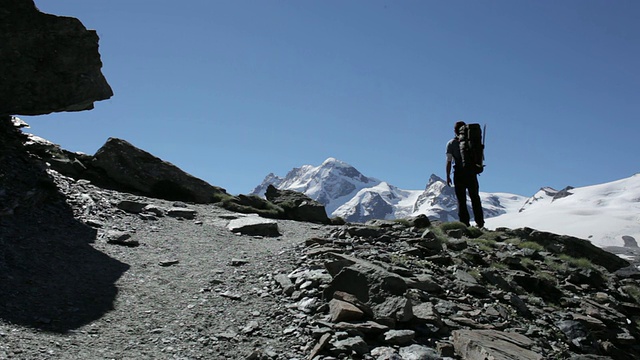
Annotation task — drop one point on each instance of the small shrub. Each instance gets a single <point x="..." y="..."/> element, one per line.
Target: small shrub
<point x="582" y="263"/>
<point x="499" y="266"/>
<point x="249" y="205"/>
<point x="403" y="222"/>
<point x="513" y="241"/>
<point x="528" y="263"/>
<point x="531" y="245"/>
<point x="440" y="235"/>
<point x="492" y="235"/>
<point x="557" y="266"/>
<point x="453" y="225"/>
<point x="633" y="291"/>
<point x="545" y="275"/>
<point x="485" y="242"/>
<point x="474" y="232"/>
<point x="476" y="274"/>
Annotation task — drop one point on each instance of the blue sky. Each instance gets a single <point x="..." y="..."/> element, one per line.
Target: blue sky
<point x="230" y="91"/>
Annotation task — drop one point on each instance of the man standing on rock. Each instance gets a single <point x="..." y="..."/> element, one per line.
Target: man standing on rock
<point x="463" y="180"/>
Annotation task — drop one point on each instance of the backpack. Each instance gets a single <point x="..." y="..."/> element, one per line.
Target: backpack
<point x="472" y="147"/>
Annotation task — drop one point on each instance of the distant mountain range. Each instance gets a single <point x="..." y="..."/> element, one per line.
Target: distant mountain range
<point x="347" y="193"/>
<point x="602" y="213"/>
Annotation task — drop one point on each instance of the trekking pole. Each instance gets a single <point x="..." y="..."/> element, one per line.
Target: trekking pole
<point x="484" y="136"/>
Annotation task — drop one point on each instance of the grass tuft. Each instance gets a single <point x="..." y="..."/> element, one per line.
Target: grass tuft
<point x="531" y="245"/>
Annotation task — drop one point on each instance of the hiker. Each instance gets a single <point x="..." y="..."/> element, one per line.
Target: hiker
<point x="463" y="180"/>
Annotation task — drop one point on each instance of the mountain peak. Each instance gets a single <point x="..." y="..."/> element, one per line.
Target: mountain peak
<point x="335" y="163"/>
<point x="331" y="160"/>
<point x="433" y="179"/>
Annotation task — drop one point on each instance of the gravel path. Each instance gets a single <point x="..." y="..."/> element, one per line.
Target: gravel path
<point x="190" y="290"/>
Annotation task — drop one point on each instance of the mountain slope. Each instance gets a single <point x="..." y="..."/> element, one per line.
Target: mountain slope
<point x="601" y="213"/>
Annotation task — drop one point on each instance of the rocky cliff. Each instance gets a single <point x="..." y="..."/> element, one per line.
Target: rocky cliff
<point x="48" y="63"/>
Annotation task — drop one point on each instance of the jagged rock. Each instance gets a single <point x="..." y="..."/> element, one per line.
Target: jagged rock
<point x="297" y="206"/>
<point x="285" y="283"/>
<point x="322" y="343"/>
<point x="424" y="282"/>
<point x="365" y="231"/>
<point x="364" y="279"/>
<point x="419" y="352"/>
<point x="354" y="344"/>
<point x="385" y="353"/>
<point x="491" y="344"/>
<point x="520" y="306"/>
<point x="48" y="63"/>
<point x="72" y="164"/>
<point x="131" y="206"/>
<point x="154" y="209"/>
<point x="120" y="238"/>
<point x="344" y="311"/>
<point x="352" y="299"/>
<point x="392" y="309"/>
<point x="310" y="304"/>
<point x="128" y="168"/>
<point x="398" y="337"/>
<point x="578" y="335"/>
<point x="178" y="212"/>
<point x="420" y="221"/>
<point x="629" y="241"/>
<point x="365" y="327"/>
<point x="425" y="313"/>
<point x="630" y="272"/>
<point x="577" y="248"/>
<point x="381" y="223"/>
<point x="254" y="225"/>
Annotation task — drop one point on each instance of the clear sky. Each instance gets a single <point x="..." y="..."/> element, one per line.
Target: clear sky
<point x="230" y="91"/>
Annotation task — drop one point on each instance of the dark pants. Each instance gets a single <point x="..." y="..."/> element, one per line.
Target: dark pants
<point x="464" y="181"/>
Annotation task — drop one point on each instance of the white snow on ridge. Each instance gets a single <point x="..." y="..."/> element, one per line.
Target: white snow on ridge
<point x="600" y="213"/>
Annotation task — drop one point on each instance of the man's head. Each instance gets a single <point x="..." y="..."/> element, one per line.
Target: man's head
<point x="457" y="126"/>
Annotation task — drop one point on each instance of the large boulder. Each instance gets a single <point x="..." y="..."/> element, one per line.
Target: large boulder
<point x="128" y="168"/>
<point x="492" y="344"/>
<point x="574" y="247"/>
<point x="297" y="206"/>
<point x="48" y="63"/>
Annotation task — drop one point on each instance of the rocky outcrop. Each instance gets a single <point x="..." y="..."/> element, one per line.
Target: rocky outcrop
<point x="48" y="63"/>
<point x="120" y="166"/>
<point x="395" y="291"/>
<point x="254" y="226"/>
<point x="575" y="247"/>
<point x="130" y="168"/>
<point x="297" y="206"/>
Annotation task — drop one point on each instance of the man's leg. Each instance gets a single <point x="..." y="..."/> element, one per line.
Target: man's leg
<point x="474" y="195"/>
<point x="461" y="194"/>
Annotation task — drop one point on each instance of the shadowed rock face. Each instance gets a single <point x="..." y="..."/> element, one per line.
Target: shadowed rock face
<point x="48" y="63"/>
<point x="124" y="166"/>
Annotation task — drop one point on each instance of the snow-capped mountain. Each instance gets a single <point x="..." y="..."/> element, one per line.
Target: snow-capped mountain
<point x="347" y="193"/>
<point x="333" y="183"/>
<point x="602" y="213"/>
<point x="382" y="201"/>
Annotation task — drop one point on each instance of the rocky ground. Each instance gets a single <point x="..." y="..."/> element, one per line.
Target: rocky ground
<point x="177" y="288"/>
<point x="90" y="273"/>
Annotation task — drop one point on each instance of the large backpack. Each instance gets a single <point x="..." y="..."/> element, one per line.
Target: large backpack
<point x="471" y="148"/>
